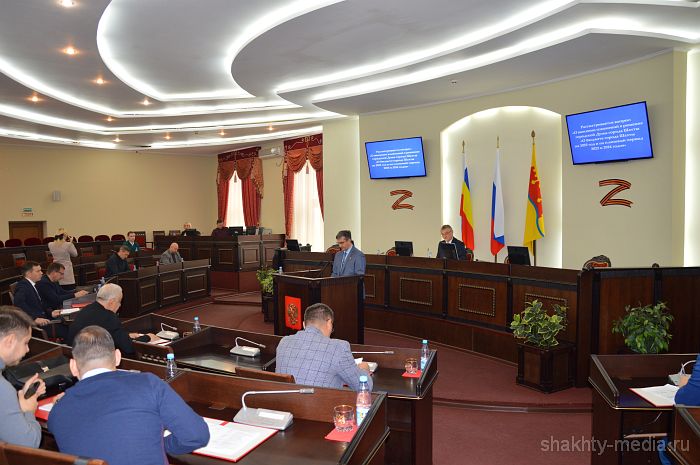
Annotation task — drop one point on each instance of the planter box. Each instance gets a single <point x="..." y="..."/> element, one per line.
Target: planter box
<point x="268" y="308"/>
<point x="547" y="370"/>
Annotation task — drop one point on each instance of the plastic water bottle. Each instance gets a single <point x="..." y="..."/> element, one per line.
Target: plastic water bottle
<point x="280" y="270"/>
<point x="364" y="400"/>
<point x="424" y="354"/>
<point x="196" y="328"/>
<point x="429" y="254"/>
<point x="170" y="366"/>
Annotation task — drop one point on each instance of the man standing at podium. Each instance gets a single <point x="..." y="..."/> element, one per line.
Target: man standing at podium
<point x="350" y="261"/>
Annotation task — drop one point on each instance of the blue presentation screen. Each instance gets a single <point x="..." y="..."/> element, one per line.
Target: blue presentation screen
<point x="612" y="134"/>
<point x="397" y="158"/>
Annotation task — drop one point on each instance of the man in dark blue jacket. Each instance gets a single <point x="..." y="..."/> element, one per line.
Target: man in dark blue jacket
<point x="26" y="295"/>
<point x="51" y="293"/>
<point x="120" y="416"/>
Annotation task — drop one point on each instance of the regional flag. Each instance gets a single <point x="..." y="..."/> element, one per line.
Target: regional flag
<point x="498" y="223"/>
<point x="465" y="211"/>
<point x="534" y="215"/>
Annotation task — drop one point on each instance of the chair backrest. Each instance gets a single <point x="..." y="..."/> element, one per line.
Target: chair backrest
<point x="32" y="241"/>
<point x="86" y="251"/>
<point x="599" y="261"/>
<point x="391" y="251"/>
<point x="20" y="455"/>
<point x="39" y="333"/>
<point x="13" y="243"/>
<point x="85" y="238"/>
<point x="174" y="232"/>
<point x="48" y="240"/>
<point x="470" y="255"/>
<point x="12" y="289"/>
<point x="2" y="244"/>
<point x="334" y="249"/>
<point x="158" y="233"/>
<point x="19" y="259"/>
<point x="141" y="238"/>
<point x="101" y="268"/>
<point x="49" y="257"/>
<point x="118" y="237"/>
<point x="507" y="259"/>
<point x="102" y="237"/>
<point x="265" y="375"/>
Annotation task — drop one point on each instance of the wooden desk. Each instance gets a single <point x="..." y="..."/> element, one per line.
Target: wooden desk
<point x="619" y="412"/>
<point x="684" y="441"/>
<point x="217" y="396"/>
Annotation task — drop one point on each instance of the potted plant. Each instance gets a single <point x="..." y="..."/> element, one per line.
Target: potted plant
<point x="645" y="328"/>
<point x="543" y="362"/>
<point x="264" y="276"/>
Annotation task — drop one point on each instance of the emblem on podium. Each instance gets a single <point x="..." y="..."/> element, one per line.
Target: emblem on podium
<point x="292" y="312"/>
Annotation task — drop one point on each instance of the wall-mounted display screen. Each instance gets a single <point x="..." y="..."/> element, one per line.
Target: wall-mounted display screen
<point x="396" y="158"/>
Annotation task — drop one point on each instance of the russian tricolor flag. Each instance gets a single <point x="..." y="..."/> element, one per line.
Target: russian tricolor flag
<point x="498" y="225"/>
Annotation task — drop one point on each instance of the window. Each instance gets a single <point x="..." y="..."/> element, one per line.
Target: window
<point x="234" y="212"/>
<point x="307" y="226"/>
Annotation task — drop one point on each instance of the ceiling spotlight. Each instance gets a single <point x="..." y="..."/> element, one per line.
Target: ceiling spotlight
<point x="222" y="133"/>
<point x="70" y="50"/>
<point x="117" y="139"/>
<point x="34" y="98"/>
<point x="167" y="137"/>
<point x="66" y="3"/>
<point x="270" y="128"/>
<point x="99" y="81"/>
<point x="146" y="102"/>
<point x="110" y="119"/>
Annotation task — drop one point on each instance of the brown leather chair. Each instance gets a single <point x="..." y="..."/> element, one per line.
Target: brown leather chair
<point x="19" y="259"/>
<point x="12" y="289"/>
<point x="391" y="252"/>
<point x="32" y="241"/>
<point x="20" y="455"/>
<point x="599" y="261"/>
<point x="86" y="238"/>
<point x="13" y="243"/>
<point x="102" y="238"/>
<point x="174" y="232"/>
<point x="2" y="244"/>
<point x="48" y="240"/>
<point x="264" y="375"/>
<point x="118" y="237"/>
<point x="86" y="251"/>
<point x="141" y="238"/>
<point x="334" y="249"/>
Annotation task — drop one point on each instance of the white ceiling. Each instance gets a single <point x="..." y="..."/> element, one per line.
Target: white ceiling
<point x="220" y="74"/>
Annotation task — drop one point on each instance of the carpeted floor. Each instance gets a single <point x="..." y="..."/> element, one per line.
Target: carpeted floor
<point x="467" y="430"/>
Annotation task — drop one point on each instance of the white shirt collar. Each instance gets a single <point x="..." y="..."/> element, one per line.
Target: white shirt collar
<point x="95" y="372"/>
<point x="33" y="283"/>
<point x="347" y="252"/>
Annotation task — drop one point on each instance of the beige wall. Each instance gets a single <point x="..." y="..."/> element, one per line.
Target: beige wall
<point x="630" y="236"/>
<point x="106" y="192"/>
<point x="692" y="167"/>
<point x="272" y="205"/>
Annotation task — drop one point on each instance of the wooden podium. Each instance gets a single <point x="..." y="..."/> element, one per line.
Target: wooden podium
<point x="295" y="291"/>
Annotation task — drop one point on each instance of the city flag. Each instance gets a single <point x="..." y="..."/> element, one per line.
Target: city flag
<point x="498" y="224"/>
<point x="534" y="215"/>
<point x="465" y="211"/>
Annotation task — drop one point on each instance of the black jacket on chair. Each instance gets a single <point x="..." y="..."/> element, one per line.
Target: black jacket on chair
<point x="52" y="294"/>
<point x="27" y="298"/>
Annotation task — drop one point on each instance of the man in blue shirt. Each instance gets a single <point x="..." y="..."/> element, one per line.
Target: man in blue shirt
<point x="120" y="416"/>
<point x="689" y="393"/>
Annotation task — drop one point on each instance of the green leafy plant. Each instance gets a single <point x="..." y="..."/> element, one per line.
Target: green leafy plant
<point x="645" y="328"/>
<point x="537" y="327"/>
<point x="264" y="276"/>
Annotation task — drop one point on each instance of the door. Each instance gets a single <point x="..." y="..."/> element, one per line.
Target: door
<point x="25" y="229"/>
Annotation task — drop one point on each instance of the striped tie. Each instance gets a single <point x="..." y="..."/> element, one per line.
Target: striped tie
<point x="342" y="264"/>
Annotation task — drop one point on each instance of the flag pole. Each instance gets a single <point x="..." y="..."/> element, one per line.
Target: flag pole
<point x="498" y="146"/>
<point x="534" y="243"/>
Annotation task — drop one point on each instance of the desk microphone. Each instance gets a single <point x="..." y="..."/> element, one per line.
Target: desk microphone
<point x="265" y="418"/>
<point x="676" y="378"/>
<point x="246" y="351"/>
<point x="170" y="335"/>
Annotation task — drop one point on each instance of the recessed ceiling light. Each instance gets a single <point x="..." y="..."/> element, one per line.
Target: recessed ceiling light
<point x="117" y="139"/>
<point x="222" y="133"/>
<point x="167" y="137"/>
<point x="270" y="128"/>
<point x="66" y="3"/>
<point x="110" y="119"/>
<point x="70" y="50"/>
<point x="99" y="81"/>
<point x="146" y="102"/>
<point x="34" y="98"/>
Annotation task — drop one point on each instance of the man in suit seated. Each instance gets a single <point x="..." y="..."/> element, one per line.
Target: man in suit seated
<point x="171" y="255"/>
<point x="317" y="360"/>
<point x="17" y="422"/>
<point x="51" y="293"/>
<point x="26" y="295"/>
<point x="103" y="313"/>
<point x="117" y="262"/>
<point x="448" y="238"/>
<point x="349" y="261"/>
<point x="131" y="242"/>
<point x="119" y="416"/>
<point x="188" y="230"/>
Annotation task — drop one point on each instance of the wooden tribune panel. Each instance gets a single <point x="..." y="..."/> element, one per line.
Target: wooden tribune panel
<point x="196" y="278"/>
<point x="170" y="283"/>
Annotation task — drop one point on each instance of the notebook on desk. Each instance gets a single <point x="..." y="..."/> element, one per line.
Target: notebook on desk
<point x="658" y="396"/>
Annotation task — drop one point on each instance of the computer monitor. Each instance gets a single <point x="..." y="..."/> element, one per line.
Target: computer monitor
<point x="404" y="248"/>
<point x="293" y="245"/>
<point x="236" y="230"/>
<point x="518" y="255"/>
<point x="446" y="250"/>
<point x="251" y="230"/>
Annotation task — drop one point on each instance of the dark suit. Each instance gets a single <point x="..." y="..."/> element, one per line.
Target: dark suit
<point x="354" y="263"/>
<point x="116" y="265"/>
<point x="461" y="249"/>
<point x="52" y="294"/>
<point x="27" y="298"/>
<point x="96" y="314"/>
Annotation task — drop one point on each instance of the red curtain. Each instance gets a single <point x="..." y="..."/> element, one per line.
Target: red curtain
<point x="248" y="166"/>
<point x="296" y="152"/>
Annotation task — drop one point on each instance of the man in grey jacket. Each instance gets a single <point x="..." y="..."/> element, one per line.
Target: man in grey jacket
<point x="317" y="360"/>
<point x="17" y="422"/>
<point x="349" y="261"/>
<point x="171" y="255"/>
